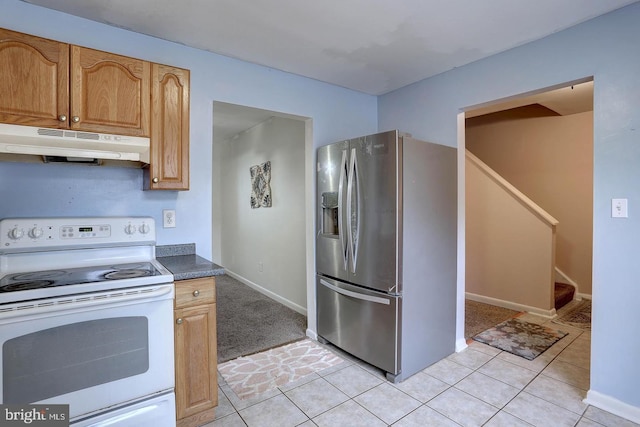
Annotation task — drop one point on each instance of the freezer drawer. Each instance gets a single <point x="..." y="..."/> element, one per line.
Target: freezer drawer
<point x="361" y="322"/>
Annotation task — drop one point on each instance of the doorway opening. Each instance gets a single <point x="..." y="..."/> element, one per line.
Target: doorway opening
<point x="264" y="246"/>
<point x="542" y="145"/>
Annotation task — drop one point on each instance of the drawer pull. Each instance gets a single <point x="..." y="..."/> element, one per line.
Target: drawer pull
<point x="179" y="321"/>
<point x="196" y="293"/>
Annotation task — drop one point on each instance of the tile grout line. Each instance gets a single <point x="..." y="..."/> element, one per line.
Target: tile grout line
<point x="537" y="374"/>
<point x="522" y="390"/>
<point x="580" y="416"/>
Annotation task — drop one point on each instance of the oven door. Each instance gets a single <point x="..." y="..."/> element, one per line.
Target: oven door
<point x="90" y="351"/>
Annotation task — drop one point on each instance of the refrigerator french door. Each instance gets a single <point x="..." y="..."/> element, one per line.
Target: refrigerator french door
<point x="359" y="227"/>
<point x="386" y="250"/>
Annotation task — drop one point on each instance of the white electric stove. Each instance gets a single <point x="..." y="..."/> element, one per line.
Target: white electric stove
<point x="86" y="319"/>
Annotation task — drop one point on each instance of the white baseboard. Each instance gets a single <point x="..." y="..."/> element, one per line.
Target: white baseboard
<point x="615" y="406"/>
<point x="312" y="334"/>
<point x="584" y="296"/>
<point x="268" y="293"/>
<point x="461" y="344"/>
<point x="549" y="314"/>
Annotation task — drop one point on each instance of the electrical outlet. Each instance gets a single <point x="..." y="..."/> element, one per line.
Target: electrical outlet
<point x="619" y="208"/>
<point x="168" y="218"/>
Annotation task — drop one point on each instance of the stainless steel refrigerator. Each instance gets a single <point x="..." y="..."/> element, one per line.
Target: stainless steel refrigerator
<point x="386" y="250"/>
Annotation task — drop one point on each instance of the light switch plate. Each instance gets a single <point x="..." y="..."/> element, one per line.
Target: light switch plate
<point x="168" y="218"/>
<point x="619" y="208"/>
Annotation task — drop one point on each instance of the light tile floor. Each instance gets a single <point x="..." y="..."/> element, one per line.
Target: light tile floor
<point x="480" y="386"/>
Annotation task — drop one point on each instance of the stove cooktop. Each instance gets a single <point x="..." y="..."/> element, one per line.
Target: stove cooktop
<point x="74" y="276"/>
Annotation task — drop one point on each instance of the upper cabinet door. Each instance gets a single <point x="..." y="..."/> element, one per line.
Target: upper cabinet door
<point x="169" y="168"/>
<point x="110" y="93"/>
<point x="34" y="80"/>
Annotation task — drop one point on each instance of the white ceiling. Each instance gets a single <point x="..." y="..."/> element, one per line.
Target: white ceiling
<point x="229" y="120"/>
<point x="372" y="46"/>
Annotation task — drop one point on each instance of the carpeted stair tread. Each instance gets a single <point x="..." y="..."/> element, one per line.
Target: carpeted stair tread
<point x="563" y="294"/>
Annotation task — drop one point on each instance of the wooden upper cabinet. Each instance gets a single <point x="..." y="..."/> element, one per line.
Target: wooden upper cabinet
<point x="34" y="80"/>
<point x="169" y="167"/>
<point x="109" y="93"/>
<point x="51" y="84"/>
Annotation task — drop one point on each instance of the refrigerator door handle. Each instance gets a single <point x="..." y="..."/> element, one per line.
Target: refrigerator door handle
<point x="341" y="227"/>
<point x="356" y="295"/>
<point x="353" y="217"/>
<point x="356" y="180"/>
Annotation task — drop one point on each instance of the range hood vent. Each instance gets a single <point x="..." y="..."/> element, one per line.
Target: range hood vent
<point x="61" y="143"/>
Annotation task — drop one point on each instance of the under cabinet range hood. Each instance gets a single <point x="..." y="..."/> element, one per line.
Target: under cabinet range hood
<point x="71" y="145"/>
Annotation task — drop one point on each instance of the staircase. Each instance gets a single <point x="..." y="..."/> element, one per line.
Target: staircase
<point x="563" y="294"/>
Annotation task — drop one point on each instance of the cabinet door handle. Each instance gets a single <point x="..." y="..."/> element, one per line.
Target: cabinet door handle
<point x="196" y="293"/>
<point x="155" y="180"/>
<point x="62" y="118"/>
<point x="179" y="320"/>
<point x="75" y="119"/>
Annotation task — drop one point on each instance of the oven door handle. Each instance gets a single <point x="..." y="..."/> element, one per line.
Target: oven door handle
<point x="85" y="302"/>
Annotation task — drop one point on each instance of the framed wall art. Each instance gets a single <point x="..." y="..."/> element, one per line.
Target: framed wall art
<point x="261" y="185"/>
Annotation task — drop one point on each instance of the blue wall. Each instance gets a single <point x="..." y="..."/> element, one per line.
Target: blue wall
<point x="55" y="190"/>
<point x="607" y="48"/>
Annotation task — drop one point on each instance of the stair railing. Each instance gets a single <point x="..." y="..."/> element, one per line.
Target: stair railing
<point x="510" y="243"/>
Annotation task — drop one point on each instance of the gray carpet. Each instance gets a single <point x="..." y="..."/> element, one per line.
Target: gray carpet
<point x="479" y="317"/>
<point x="250" y="322"/>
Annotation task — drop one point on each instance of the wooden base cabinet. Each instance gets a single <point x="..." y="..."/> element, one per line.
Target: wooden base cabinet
<point x="195" y="352"/>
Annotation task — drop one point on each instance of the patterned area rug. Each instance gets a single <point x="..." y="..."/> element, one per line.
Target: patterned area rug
<point x="252" y="375"/>
<point x="521" y="338"/>
<point x="579" y="317"/>
<point x="480" y="316"/>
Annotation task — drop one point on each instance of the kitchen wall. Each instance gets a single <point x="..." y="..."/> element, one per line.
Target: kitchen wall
<point x="607" y="49"/>
<point x="265" y="247"/>
<point x="43" y="189"/>
<point x="550" y="159"/>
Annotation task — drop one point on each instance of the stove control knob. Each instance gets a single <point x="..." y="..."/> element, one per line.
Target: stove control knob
<point x="35" y="233"/>
<point x="144" y="228"/>
<point x="130" y="229"/>
<point x="16" y="233"/>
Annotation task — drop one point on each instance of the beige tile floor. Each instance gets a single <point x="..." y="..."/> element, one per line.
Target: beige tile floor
<point x="480" y="386"/>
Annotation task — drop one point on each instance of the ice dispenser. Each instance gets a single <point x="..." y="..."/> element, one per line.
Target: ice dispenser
<point x="330" y="213"/>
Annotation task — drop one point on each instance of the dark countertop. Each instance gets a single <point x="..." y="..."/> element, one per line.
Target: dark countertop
<point x="182" y="261"/>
